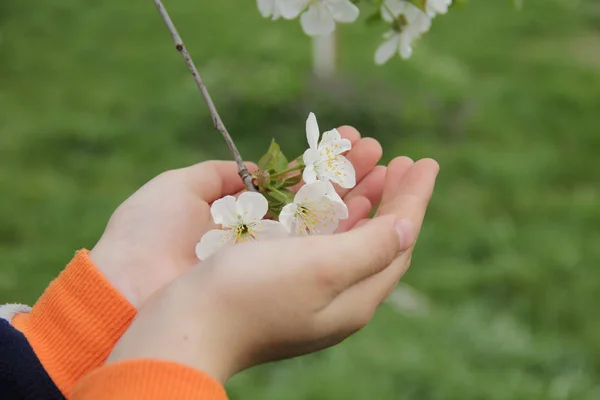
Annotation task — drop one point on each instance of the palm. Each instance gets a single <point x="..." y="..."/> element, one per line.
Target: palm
<point x="165" y="219"/>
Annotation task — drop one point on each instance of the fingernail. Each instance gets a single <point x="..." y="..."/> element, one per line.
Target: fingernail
<point x="404" y="229"/>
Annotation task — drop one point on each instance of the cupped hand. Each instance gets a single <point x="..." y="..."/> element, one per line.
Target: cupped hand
<point x="265" y="301"/>
<point x="150" y="239"/>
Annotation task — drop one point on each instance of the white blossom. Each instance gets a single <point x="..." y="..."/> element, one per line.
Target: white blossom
<point x="241" y="221"/>
<point x="317" y="17"/>
<point x="435" y="7"/>
<point x="316" y="210"/>
<point x="269" y="8"/>
<point x="409" y="24"/>
<point x="324" y="159"/>
<point x="274" y="9"/>
<point x="321" y="16"/>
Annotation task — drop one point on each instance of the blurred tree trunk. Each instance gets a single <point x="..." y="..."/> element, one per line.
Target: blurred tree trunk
<point x="325" y="55"/>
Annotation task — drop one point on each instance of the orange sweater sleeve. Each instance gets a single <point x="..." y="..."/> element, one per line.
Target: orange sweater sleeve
<point x="76" y="322"/>
<point x="148" y="380"/>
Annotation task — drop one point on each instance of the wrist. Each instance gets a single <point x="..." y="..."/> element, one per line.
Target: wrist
<point x="76" y="322"/>
<point x="110" y="265"/>
<point x="185" y="328"/>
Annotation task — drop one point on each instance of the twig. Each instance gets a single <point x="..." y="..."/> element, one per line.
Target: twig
<point x="218" y="123"/>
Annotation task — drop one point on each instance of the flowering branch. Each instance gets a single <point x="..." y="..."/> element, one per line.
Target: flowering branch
<point x="218" y="123"/>
<point x="315" y="209"/>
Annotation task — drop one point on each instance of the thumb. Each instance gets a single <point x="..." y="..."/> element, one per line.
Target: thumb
<point x="211" y="180"/>
<point x="347" y="258"/>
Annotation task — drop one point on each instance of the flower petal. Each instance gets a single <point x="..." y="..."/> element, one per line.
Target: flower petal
<point x="327" y="219"/>
<point x="396" y="7"/>
<point x="387" y="49"/>
<point x="291" y="222"/>
<point x="310" y="158"/>
<point x="287" y="216"/>
<point x="343" y="10"/>
<point x="437" y="7"/>
<point x="309" y="175"/>
<point x="339" y="170"/>
<point x="276" y="13"/>
<point x="290" y="9"/>
<point x="340" y="210"/>
<point x="211" y="242"/>
<point x="311" y="192"/>
<point x="312" y="131"/>
<point x="326" y="227"/>
<point x="334" y="140"/>
<point x="252" y="206"/>
<point x="325" y="204"/>
<point x="332" y="193"/>
<point x="418" y="21"/>
<point x="406" y="49"/>
<point x="266" y="7"/>
<point x="224" y="211"/>
<point x="331" y="136"/>
<point x="335" y="147"/>
<point x="317" y="21"/>
<point x="267" y="229"/>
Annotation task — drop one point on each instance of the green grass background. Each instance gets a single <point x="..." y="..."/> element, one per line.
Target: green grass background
<point x="94" y="102"/>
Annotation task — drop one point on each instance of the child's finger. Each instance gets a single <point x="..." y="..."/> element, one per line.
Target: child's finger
<point x="359" y="207"/>
<point x="211" y="180"/>
<point x="364" y="156"/>
<point x="341" y="260"/>
<point x="410" y="197"/>
<point x="371" y="186"/>
<point x="350" y="133"/>
<point x="410" y="202"/>
<point x="394" y="175"/>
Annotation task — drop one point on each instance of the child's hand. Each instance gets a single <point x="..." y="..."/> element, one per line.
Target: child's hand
<point x="264" y="301"/>
<point x="150" y="239"/>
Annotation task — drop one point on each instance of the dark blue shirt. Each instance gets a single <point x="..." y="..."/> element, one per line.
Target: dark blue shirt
<point x="22" y="376"/>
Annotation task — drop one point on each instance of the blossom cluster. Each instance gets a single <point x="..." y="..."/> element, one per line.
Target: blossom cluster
<point x="407" y="19"/>
<point x="315" y="208"/>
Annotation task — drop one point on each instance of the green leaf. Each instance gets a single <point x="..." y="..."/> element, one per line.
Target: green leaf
<point x="281" y="162"/>
<point x="292" y="180"/>
<point x="274" y="203"/>
<point x="274" y="159"/>
<point x="274" y="212"/>
<point x="278" y="198"/>
<point x="283" y="196"/>
<point x="419" y="3"/>
<point x="277" y="183"/>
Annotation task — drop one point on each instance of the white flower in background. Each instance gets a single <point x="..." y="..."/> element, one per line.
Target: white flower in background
<point x="321" y="16"/>
<point x="316" y="210"/>
<point x="324" y="159"/>
<point x="435" y="7"/>
<point x="269" y="8"/>
<point x="241" y="221"/>
<point x="409" y="24"/>
<point x="288" y="9"/>
<point x="318" y="16"/>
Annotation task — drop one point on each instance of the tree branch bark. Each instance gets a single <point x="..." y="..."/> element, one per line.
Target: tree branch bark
<point x="217" y="122"/>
